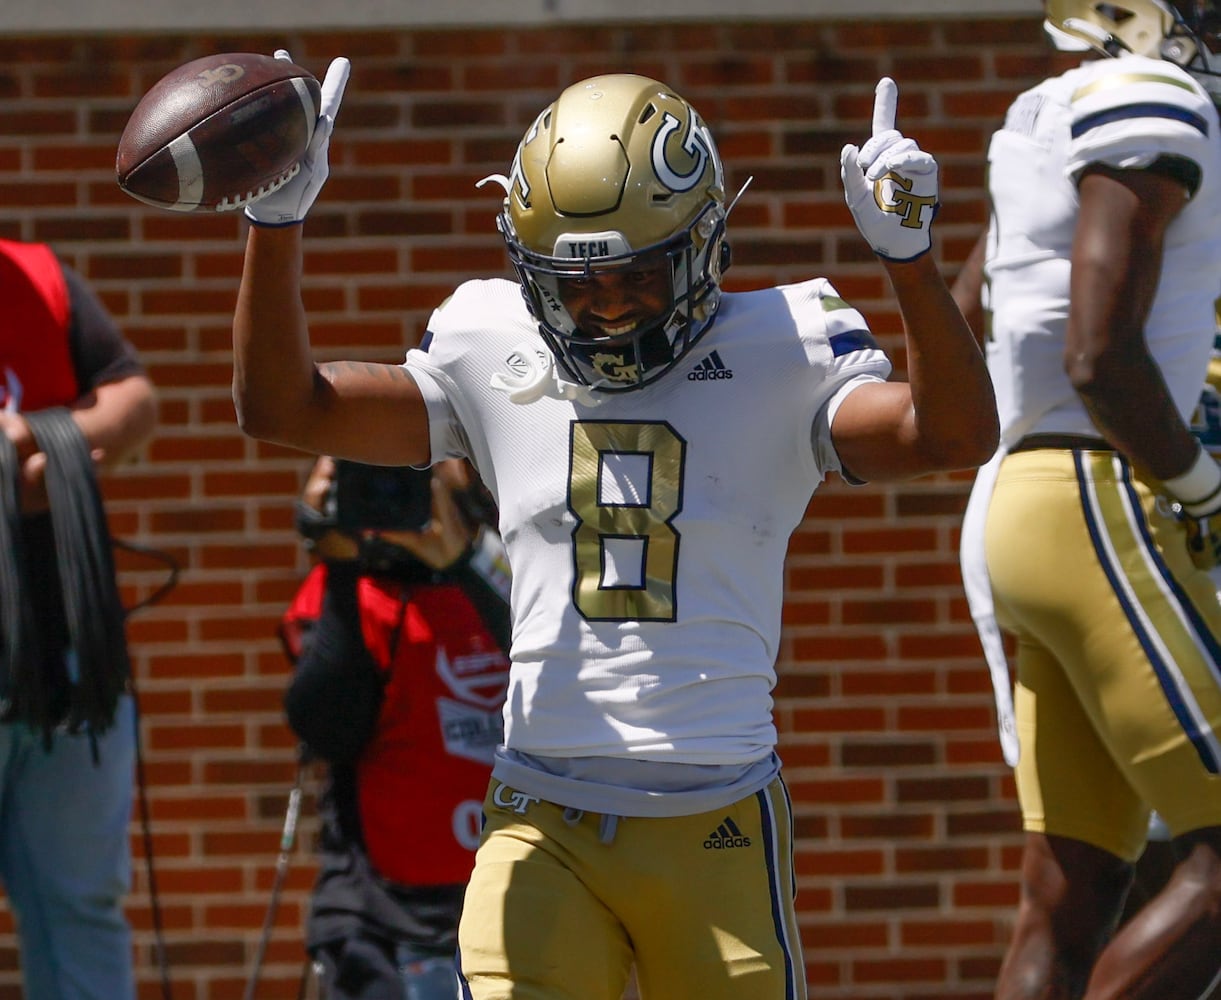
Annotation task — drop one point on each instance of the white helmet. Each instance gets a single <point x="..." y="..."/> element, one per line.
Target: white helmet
<point x="1183" y="32"/>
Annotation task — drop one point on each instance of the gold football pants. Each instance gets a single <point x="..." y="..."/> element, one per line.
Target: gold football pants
<point x="559" y="907"/>
<point x="1118" y="695"/>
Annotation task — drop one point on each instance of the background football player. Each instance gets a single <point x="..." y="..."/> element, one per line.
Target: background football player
<point x="1092" y="531"/>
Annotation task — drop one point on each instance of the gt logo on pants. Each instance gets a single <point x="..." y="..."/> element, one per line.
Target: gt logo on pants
<point x="515" y="801"/>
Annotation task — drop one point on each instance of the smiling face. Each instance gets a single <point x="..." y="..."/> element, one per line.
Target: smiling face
<point x="613" y="304"/>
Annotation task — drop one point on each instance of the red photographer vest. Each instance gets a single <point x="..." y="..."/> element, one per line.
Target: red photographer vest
<point x="422" y="777"/>
<point x="34" y="326"/>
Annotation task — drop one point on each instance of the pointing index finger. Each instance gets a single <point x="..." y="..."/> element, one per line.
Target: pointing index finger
<point x="885" y="103"/>
<point x="333" y="85"/>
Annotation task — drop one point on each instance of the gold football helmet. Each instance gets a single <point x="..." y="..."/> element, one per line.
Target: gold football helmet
<point x="1181" y="31"/>
<point x="617" y="172"/>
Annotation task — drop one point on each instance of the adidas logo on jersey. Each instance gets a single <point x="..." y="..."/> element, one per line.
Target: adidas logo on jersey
<point x="725" y="837"/>
<point x="710" y="368"/>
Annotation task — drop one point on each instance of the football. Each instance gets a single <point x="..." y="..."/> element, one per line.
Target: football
<point x="219" y="132"/>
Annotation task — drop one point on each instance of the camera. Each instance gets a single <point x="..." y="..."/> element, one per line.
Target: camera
<point x="381" y="498"/>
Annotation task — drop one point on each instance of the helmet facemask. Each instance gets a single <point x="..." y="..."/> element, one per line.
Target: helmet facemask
<point x="619" y="175"/>
<point x="692" y="262"/>
<point x="1195" y="44"/>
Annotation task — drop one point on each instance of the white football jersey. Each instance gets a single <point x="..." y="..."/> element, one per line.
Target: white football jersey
<point x="646" y="530"/>
<point x="1123" y="113"/>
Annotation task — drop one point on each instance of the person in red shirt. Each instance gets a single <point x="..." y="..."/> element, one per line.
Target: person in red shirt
<point x="398" y="635"/>
<point x="74" y="399"/>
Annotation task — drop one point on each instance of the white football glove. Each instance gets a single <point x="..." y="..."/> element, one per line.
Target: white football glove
<point x="288" y="205"/>
<point x="1201" y="515"/>
<point x="890" y="184"/>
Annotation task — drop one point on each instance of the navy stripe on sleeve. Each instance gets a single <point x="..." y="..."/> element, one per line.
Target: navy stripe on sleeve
<point x="853" y="340"/>
<point x="1148" y="109"/>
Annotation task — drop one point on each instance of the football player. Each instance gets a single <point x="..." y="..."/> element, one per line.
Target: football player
<point x="651" y="442"/>
<point x="1091" y="533"/>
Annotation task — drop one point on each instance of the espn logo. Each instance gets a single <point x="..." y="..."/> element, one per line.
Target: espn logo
<point x="711" y="367"/>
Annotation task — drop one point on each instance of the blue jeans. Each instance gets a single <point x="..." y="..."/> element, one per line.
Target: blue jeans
<point x="426" y="977"/>
<point x="65" y="860"/>
<point x="363" y="968"/>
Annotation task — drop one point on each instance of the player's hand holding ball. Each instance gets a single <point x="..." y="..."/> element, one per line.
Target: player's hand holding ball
<point x="890" y="184"/>
<point x="227" y="131"/>
<point x="288" y="205"/>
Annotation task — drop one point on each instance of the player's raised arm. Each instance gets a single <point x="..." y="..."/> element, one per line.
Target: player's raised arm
<point x="944" y="417"/>
<point x="279" y="392"/>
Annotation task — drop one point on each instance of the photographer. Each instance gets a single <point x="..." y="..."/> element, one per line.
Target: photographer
<point x="398" y="636"/>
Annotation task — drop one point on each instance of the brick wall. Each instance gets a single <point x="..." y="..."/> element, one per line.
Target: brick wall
<point x="906" y="825"/>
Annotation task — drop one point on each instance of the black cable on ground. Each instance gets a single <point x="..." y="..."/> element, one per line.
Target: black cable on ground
<point x="146" y="830"/>
<point x="146" y="826"/>
<point x="162" y="557"/>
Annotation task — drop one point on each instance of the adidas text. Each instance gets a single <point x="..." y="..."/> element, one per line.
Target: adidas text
<point x="725" y="843"/>
<point x="712" y="367"/>
<point x="726" y="836"/>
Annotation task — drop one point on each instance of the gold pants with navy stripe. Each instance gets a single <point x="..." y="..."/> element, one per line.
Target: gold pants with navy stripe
<point x="1118" y="696"/>
<point x="702" y="905"/>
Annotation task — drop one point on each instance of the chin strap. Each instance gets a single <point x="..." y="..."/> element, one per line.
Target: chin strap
<point x="534" y="376"/>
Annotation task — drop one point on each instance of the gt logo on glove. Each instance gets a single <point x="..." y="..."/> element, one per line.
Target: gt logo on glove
<point x="902" y="201"/>
<point x="890" y="184"/>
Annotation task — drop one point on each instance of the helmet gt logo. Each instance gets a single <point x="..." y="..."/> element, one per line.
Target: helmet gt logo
<point x="614" y="368"/>
<point x="517" y="176"/>
<point x="909" y="206"/>
<point x="696" y="144"/>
